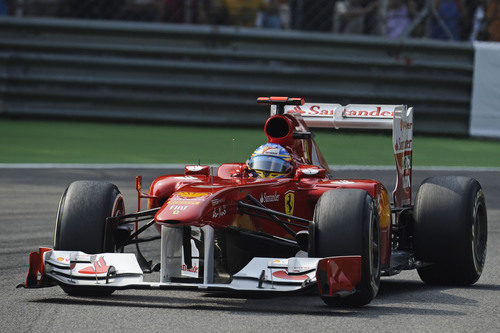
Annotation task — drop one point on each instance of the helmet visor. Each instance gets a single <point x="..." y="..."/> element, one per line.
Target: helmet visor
<point x="269" y="163"/>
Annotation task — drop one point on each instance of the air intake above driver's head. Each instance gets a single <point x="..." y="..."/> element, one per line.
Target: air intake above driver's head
<point x="277" y="127"/>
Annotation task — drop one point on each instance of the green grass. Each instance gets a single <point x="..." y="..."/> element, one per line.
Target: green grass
<point x="32" y="141"/>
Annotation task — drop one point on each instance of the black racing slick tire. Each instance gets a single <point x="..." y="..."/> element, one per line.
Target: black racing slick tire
<point x="81" y="223"/>
<point x="450" y="230"/>
<point x="81" y="217"/>
<point x="346" y="223"/>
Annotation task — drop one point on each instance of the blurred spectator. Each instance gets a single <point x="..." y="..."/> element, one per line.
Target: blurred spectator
<point x="4" y="8"/>
<point x="244" y="12"/>
<point x="285" y="14"/>
<point x="493" y="20"/>
<point x="270" y="17"/>
<point x="179" y="11"/>
<point x="142" y="10"/>
<point x="215" y="12"/>
<point x="39" y="7"/>
<point x="312" y="15"/>
<point x="450" y="12"/>
<point x="398" y="17"/>
<point x="352" y="14"/>
<point x="469" y="11"/>
<point x="479" y="29"/>
<point x="464" y="19"/>
<point x="92" y="9"/>
<point x="173" y="11"/>
<point x="373" y="23"/>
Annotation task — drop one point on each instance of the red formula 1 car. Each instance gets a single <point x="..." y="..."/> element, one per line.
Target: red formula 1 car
<point x="278" y="223"/>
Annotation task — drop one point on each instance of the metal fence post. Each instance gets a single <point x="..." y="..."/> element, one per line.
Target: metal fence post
<point x="382" y="17"/>
<point x="187" y="11"/>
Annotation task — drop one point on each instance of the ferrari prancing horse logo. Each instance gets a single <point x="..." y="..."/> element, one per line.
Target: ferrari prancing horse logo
<point x="289" y="202"/>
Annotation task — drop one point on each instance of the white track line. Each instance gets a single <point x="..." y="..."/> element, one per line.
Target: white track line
<point x="181" y="166"/>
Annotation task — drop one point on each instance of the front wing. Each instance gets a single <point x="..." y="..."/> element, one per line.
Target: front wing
<point x="335" y="276"/>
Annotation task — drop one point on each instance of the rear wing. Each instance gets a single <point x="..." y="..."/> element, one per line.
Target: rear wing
<point x="399" y="118"/>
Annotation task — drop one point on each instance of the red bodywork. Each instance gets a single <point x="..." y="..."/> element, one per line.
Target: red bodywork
<point x="199" y="198"/>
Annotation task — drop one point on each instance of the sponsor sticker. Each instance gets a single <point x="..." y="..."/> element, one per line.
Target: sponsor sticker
<point x="407" y="162"/>
<point x="219" y="212"/>
<point x="406" y="182"/>
<point x="77" y="257"/>
<point x="266" y="198"/>
<point x="194" y="168"/>
<point x="271" y="150"/>
<point x="277" y="263"/>
<point x="186" y="178"/>
<point x="404" y="125"/>
<point x="177" y="209"/>
<point x="342" y="182"/>
<point x="183" y="202"/>
<point x="377" y="113"/>
<point x="403" y="145"/>
<point x="215" y="202"/>
<point x="194" y="271"/>
<point x="310" y="171"/>
<point x="314" y="110"/>
<point x="298" y="266"/>
<point x="209" y="186"/>
<point x="192" y="195"/>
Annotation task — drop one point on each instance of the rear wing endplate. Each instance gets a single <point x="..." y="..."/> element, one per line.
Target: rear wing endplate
<point x="399" y="118"/>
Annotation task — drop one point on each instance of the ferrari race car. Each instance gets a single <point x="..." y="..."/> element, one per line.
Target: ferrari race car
<point x="238" y="230"/>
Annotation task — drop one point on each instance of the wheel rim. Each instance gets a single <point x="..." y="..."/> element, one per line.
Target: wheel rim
<point x="479" y="235"/>
<point x="117" y="210"/>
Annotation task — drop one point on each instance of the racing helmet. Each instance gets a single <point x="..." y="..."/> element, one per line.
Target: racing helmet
<point x="270" y="161"/>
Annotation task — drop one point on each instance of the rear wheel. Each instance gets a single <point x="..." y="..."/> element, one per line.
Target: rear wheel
<point x="346" y="223"/>
<point x="450" y="230"/>
<point x="81" y="222"/>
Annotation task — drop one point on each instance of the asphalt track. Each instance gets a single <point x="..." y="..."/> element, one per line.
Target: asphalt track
<point x="28" y="204"/>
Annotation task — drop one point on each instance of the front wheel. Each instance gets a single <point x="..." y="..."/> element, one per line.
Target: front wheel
<point x="81" y="222"/>
<point x="346" y="223"/>
<point x="81" y="217"/>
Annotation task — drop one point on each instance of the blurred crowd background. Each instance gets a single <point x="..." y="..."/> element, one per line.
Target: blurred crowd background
<point x="437" y="19"/>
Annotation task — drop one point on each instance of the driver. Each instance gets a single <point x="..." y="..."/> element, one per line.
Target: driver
<point x="270" y="161"/>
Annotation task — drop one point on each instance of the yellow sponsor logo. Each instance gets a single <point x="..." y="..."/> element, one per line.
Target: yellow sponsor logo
<point x="60" y="259"/>
<point x="289" y="202"/>
<point x="192" y="195"/>
<point x="183" y="202"/>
